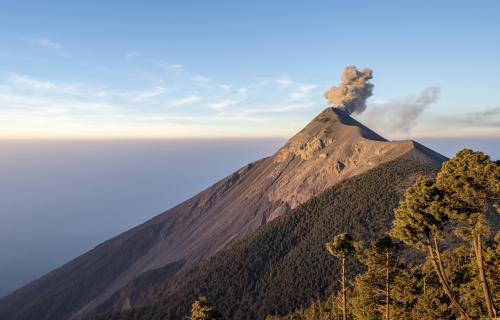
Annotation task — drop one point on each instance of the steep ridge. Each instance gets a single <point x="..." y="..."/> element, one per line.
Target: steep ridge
<point x="330" y="149"/>
<point x="284" y="264"/>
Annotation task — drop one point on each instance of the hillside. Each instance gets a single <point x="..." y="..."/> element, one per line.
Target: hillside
<point x="331" y="148"/>
<point x="284" y="264"/>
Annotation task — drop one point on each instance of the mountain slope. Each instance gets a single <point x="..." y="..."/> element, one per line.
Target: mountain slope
<point x="331" y="148"/>
<point x="284" y="264"/>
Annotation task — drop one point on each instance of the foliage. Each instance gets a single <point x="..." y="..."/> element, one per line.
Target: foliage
<point x="420" y="216"/>
<point x="470" y="180"/>
<point x="202" y="310"/>
<point x="458" y="283"/>
<point x="372" y="288"/>
<point x="283" y="265"/>
<point x="341" y="246"/>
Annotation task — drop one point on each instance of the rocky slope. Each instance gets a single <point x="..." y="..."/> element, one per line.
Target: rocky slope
<point x="284" y="264"/>
<point x="331" y="148"/>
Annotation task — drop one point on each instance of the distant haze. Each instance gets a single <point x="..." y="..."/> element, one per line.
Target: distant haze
<point x="61" y="198"/>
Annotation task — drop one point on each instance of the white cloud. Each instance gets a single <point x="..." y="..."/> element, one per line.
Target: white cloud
<point x="46" y="42"/>
<point x="132" y="54"/>
<point x="284" y="81"/>
<point x="225" y="87"/>
<point x="277" y="109"/>
<point x="301" y="91"/>
<point x="39" y="106"/>
<point x="223" y="103"/>
<point x="31" y="83"/>
<point x="186" y="100"/>
<point x="175" y="66"/>
<point x="140" y="96"/>
<point x="200" y="78"/>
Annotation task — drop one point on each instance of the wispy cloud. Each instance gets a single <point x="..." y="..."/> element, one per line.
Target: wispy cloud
<point x="19" y="81"/>
<point x="301" y="91"/>
<point x="132" y="54"/>
<point x="223" y="103"/>
<point x="276" y="109"/>
<point x="284" y="81"/>
<point x="47" y="42"/>
<point x="200" y="78"/>
<point x="175" y="66"/>
<point x="26" y="81"/>
<point x="140" y="96"/>
<point x="186" y="100"/>
<point x="225" y="87"/>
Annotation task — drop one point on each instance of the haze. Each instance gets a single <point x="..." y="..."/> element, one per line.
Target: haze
<point x="61" y="198"/>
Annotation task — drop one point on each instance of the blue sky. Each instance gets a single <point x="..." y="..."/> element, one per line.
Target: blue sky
<point x="123" y="69"/>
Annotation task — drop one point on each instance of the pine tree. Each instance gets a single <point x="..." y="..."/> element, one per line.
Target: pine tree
<point x="202" y="310"/>
<point x="471" y="181"/>
<point x="419" y="222"/>
<point x="341" y="247"/>
<point x="373" y="288"/>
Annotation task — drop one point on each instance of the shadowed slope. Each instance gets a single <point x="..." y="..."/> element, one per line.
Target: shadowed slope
<point x="284" y="264"/>
<point x="331" y="148"/>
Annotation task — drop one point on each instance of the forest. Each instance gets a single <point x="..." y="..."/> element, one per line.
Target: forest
<point x="403" y="241"/>
<point x="459" y="282"/>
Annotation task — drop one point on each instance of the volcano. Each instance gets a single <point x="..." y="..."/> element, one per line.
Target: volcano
<point x="332" y="148"/>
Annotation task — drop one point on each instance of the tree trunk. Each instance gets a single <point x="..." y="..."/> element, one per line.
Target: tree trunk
<point x="387" y="306"/>
<point x="478" y="251"/>
<point x="343" y="291"/>
<point x="436" y="258"/>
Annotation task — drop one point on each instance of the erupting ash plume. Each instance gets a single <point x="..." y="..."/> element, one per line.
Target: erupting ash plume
<point x="399" y="115"/>
<point x="353" y="90"/>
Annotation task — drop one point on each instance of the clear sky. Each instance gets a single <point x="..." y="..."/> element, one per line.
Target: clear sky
<point x="122" y="69"/>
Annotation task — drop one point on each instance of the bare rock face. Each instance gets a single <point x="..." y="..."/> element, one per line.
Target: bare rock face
<point x="332" y="147"/>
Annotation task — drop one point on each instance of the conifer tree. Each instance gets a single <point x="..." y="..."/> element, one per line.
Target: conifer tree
<point x="419" y="221"/>
<point x="202" y="310"/>
<point x="341" y="247"/>
<point x="372" y="298"/>
<point x="471" y="182"/>
<point x="372" y="291"/>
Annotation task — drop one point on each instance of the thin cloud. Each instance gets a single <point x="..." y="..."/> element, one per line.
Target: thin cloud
<point x="47" y="42"/>
<point x="284" y="81"/>
<point x="132" y="54"/>
<point x="223" y="103"/>
<point x="277" y="109"/>
<point x="487" y="113"/>
<point x="225" y="87"/>
<point x="489" y="117"/>
<point x="301" y="91"/>
<point x="32" y="83"/>
<point x="148" y="94"/>
<point x="175" y="66"/>
<point x="186" y="100"/>
<point x="200" y="78"/>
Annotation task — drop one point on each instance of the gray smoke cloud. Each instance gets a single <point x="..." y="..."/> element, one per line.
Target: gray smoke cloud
<point x="398" y="116"/>
<point x="351" y="94"/>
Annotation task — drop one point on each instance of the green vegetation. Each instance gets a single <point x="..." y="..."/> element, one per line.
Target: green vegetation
<point x="464" y="282"/>
<point x="341" y="247"/>
<point x="441" y="262"/>
<point x="202" y="310"/>
<point x="283" y="265"/>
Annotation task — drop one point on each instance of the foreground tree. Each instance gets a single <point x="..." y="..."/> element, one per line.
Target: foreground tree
<point x="372" y="292"/>
<point x="471" y="183"/>
<point x="202" y="310"/>
<point x="419" y="222"/>
<point x="341" y="247"/>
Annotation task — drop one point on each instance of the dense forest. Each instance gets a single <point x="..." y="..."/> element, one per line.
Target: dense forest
<point x="284" y="265"/>
<point x="463" y="282"/>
